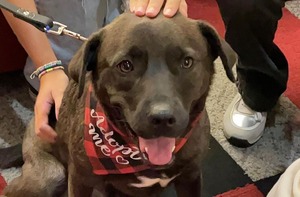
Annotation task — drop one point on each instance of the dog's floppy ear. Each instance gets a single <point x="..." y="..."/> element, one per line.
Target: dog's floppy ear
<point x="219" y="48"/>
<point x="85" y="60"/>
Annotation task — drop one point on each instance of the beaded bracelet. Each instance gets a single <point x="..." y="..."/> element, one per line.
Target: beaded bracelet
<point x="47" y="68"/>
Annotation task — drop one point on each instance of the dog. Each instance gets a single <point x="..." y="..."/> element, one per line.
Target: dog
<point x="133" y="120"/>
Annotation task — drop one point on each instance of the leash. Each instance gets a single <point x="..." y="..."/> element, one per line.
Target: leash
<point x="42" y="23"/>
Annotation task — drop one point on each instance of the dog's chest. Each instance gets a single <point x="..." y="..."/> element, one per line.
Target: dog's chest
<point x="145" y="181"/>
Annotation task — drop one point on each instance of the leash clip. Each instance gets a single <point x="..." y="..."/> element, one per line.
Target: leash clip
<point x="42" y="23"/>
<point x="62" y="30"/>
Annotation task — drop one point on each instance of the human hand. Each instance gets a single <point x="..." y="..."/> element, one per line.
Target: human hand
<point x="52" y="87"/>
<point x="151" y="8"/>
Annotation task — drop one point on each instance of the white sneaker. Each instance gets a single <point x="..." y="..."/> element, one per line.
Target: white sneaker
<point x="243" y="126"/>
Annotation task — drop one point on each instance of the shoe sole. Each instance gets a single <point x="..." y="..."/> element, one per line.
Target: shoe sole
<point x="240" y="143"/>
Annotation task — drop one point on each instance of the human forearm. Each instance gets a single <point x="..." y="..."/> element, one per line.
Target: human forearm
<point x="35" y="42"/>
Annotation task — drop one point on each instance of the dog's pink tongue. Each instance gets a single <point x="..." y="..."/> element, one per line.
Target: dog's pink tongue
<point x="159" y="150"/>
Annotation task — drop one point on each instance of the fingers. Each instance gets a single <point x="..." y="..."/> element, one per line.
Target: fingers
<point x="183" y="8"/>
<point x="139" y="6"/>
<point x="154" y="7"/>
<point x="47" y="133"/>
<point x="151" y="8"/>
<point x="171" y="7"/>
<point x="132" y="5"/>
<point x="42" y="129"/>
<point x="52" y="87"/>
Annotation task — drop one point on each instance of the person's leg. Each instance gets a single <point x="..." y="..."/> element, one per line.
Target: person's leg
<point x="262" y="68"/>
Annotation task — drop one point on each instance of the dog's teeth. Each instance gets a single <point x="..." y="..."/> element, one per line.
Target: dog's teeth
<point x="146" y="149"/>
<point x="173" y="148"/>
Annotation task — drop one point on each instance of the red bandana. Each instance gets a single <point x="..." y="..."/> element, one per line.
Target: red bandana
<point x="111" y="151"/>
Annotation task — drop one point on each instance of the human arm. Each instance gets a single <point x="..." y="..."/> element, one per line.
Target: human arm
<point x="52" y="84"/>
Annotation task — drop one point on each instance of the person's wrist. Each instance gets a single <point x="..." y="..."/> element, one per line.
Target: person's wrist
<point x="53" y="75"/>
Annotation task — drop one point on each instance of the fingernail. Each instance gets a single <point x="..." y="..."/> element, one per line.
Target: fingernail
<point x="140" y="11"/>
<point x="168" y="12"/>
<point x="150" y="10"/>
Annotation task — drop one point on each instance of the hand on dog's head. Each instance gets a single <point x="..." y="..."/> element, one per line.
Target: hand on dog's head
<point x="157" y="71"/>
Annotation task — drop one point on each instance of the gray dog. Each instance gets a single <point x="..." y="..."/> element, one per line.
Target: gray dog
<point x="133" y="118"/>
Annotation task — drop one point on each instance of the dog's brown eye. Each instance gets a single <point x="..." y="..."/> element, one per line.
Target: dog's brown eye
<point x="187" y="62"/>
<point x="125" y="66"/>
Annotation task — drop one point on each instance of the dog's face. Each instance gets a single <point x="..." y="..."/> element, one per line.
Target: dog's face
<point x="156" y="74"/>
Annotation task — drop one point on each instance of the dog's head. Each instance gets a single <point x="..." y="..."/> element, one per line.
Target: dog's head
<point x="152" y="76"/>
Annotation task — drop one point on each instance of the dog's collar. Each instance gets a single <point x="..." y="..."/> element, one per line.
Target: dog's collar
<point x="111" y="151"/>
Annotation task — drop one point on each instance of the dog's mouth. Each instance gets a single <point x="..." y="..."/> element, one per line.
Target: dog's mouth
<point x="159" y="151"/>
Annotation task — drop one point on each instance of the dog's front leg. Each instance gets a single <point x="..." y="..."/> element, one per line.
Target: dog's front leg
<point x="188" y="187"/>
<point x="76" y="187"/>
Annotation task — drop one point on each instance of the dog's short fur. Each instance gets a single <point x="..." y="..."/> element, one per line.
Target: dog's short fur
<point x="159" y="96"/>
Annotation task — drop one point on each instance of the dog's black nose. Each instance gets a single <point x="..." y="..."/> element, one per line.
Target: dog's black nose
<point x="163" y="119"/>
<point x="162" y="115"/>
